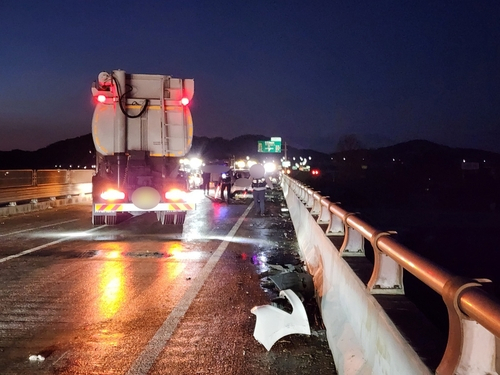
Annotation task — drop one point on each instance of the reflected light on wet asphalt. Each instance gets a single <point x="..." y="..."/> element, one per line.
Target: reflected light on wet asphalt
<point x="243" y="240"/>
<point x="59" y="234"/>
<point x="112" y="281"/>
<point x="220" y="210"/>
<point x="260" y="260"/>
<point x="177" y="251"/>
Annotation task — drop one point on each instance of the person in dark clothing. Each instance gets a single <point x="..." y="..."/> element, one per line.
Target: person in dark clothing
<point x="206" y="182"/>
<point x="226" y="181"/>
<point x="259" y="193"/>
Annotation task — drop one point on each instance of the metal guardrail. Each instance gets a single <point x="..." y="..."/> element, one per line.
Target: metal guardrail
<point x="474" y="315"/>
<point x="32" y="185"/>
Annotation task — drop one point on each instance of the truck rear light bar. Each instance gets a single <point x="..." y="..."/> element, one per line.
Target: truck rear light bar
<point x="176" y="195"/>
<point x="112" y="195"/>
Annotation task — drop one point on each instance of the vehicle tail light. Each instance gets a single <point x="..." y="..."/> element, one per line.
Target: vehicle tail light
<point x="112" y="195"/>
<point x="175" y="195"/>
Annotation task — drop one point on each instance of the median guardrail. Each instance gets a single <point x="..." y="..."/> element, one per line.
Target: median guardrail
<point x="354" y="320"/>
<point x="29" y="187"/>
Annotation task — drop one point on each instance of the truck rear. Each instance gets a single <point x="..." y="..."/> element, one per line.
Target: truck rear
<point x="141" y="128"/>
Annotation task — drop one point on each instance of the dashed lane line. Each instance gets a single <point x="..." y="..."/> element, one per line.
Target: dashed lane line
<point x="43" y="226"/>
<point x="47" y="245"/>
<point x="147" y="358"/>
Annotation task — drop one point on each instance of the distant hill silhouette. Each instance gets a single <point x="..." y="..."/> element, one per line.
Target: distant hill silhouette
<point x="80" y="151"/>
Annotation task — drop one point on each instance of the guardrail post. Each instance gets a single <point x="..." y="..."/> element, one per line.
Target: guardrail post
<point x="471" y="347"/>
<point x="387" y="275"/>
<point x="306" y="197"/>
<point x="324" y="216"/>
<point x="309" y="200"/>
<point x="336" y="226"/>
<point x="354" y="242"/>
<point x="301" y="194"/>
<point x="316" y="207"/>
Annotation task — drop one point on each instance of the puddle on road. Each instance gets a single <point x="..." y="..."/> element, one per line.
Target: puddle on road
<point x="147" y="254"/>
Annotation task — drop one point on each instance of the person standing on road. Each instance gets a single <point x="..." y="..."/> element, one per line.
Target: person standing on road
<point x="226" y="181"/>
<point x="206" y="182"/>
<point x="259" y="193"/>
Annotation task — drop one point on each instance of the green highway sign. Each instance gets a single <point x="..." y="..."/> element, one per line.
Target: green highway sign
<point x="269" y="146"/>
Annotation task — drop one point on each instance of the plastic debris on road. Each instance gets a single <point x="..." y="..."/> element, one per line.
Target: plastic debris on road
<point x="273" y="323"/>
<point x="38" y="358"/>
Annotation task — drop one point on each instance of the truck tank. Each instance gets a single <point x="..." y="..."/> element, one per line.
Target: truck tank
<point x="141" y="127"/>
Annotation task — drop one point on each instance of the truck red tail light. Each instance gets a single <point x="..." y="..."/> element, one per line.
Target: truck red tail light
<point x="112" y="195"/>
<point x="184" y="101"/>
<point x="175" y="195"/>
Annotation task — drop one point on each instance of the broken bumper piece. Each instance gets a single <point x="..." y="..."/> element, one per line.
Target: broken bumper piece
<point x="273" y="323"/>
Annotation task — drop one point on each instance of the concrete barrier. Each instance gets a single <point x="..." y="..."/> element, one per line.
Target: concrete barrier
<point x="362" y="338"/>
<point x="23" y="208"/>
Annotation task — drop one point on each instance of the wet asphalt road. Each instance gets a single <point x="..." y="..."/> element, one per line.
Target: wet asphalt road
<point x="141" y="298"/>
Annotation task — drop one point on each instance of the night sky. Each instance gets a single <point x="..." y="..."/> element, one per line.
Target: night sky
<point x="308" y="71"/>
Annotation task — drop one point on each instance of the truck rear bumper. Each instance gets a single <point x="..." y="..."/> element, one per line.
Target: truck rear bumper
<point x="106" y="208"/>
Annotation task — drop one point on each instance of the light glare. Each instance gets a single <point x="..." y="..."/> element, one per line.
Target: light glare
<point x="112" y="194"/>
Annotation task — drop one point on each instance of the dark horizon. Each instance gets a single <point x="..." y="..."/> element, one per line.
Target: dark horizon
<point x="387" y="71"/>
<point x="81" y="151"/>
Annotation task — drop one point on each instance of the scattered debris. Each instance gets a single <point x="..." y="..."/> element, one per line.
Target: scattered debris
<point x="37" y="358"/>
<point x="289" y="267"/>
<point x="299" y="282"/>
<point x="274" y="323"/>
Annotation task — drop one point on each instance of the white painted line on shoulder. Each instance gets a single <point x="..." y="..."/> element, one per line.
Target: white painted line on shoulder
<point x="46" y="245"/>
<point x="35" y="228"/>
<point x="146" y="359"/>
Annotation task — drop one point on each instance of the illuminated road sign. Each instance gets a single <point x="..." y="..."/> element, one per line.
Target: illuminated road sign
<point x="269" y="146"/>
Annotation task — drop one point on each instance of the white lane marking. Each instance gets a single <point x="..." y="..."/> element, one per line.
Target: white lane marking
<point x="147" y="358"/>
<point x="58" y="359"/>
<point x="43" y="226"/>
<point x="46" y="245"/>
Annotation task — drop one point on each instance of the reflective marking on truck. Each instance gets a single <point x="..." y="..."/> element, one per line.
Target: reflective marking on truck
<point x="108" y="207"/>
<point x="128" y="207"/>
<point x="181" y="206"/>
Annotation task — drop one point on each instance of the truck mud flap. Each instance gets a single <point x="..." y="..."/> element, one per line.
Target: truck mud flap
<point x="98" y="219"/>
<point x="171" y="218"/>
<point x="104" y="219"/>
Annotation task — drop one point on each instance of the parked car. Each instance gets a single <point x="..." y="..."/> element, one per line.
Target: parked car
<point x="242" y="181"/>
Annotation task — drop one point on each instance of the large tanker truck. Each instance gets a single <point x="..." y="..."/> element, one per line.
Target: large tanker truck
<point x="141" y="127"/>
